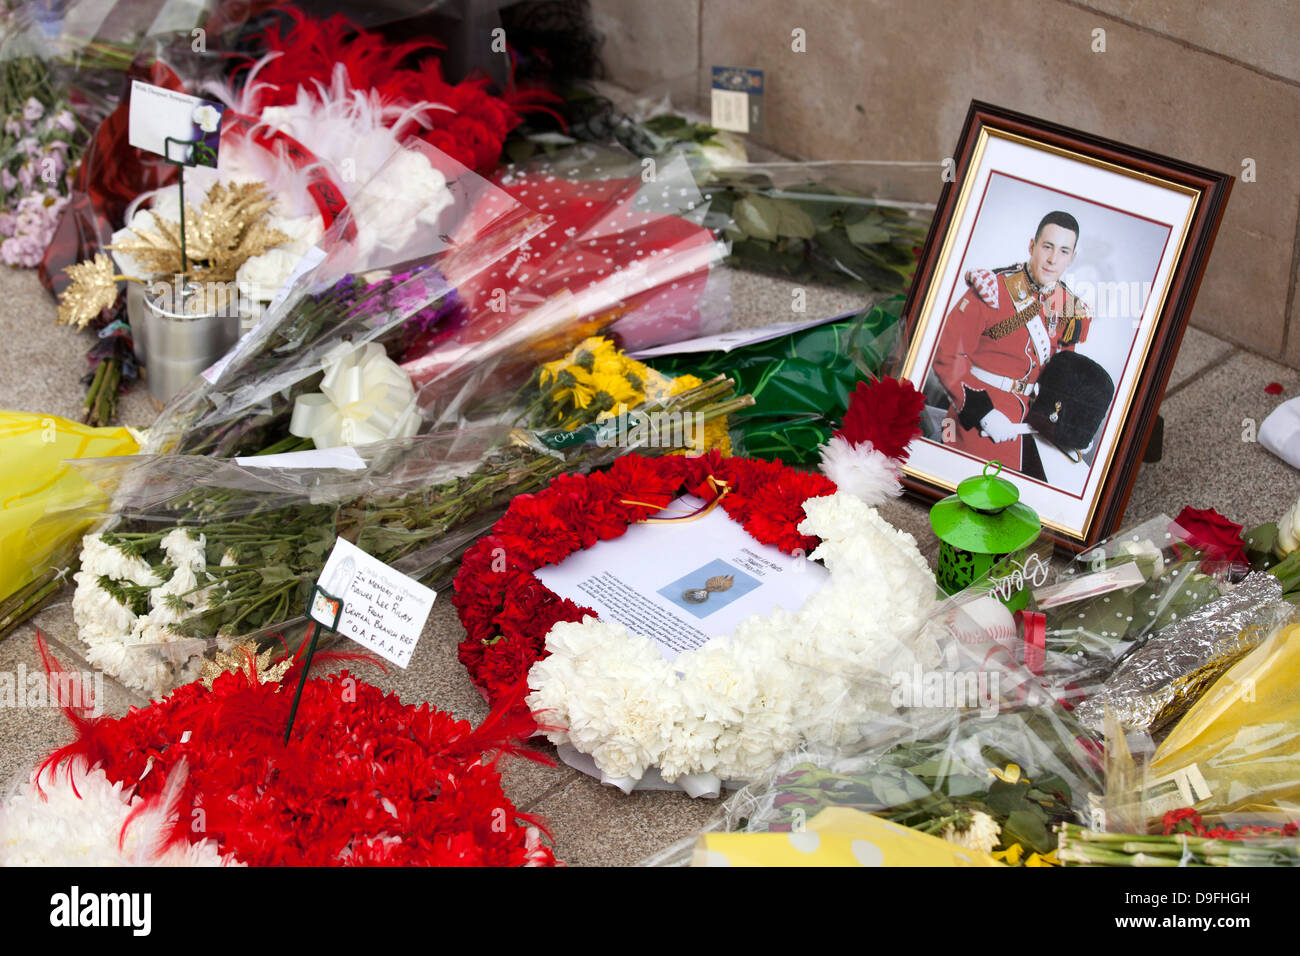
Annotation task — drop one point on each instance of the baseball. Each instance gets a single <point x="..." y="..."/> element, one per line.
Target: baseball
<point x="982" y="620"/>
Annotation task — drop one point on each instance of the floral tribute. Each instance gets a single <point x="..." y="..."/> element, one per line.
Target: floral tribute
<point x="728" y="708"/>
<point x="364" y="780"/>
<point x="507" y="611"/>
<point x="462" y="119"/>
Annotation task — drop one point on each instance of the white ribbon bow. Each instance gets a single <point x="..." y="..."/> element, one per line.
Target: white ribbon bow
<point x="364" y="397"/>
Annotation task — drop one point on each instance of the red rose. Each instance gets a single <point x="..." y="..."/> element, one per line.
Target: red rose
<point x="1207" y="530"/>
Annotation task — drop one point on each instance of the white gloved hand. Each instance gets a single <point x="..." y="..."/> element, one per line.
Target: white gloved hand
<point x="997" y="426"/>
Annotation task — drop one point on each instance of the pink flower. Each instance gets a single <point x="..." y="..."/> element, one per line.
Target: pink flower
<point x="53" y="165"/>
<point x="21" y="251"/>
<point x="7" y="224"/>
<point x="33" y="110"/>
<point x="65" y="121"/>
<point x="7" y="181"/>
<point x="27" y="176"/>
<point x="13" y="128"/>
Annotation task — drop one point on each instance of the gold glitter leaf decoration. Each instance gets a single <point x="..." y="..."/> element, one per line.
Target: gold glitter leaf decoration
<point x="242" y="658"/>
<point x="226" y="231"/>
<point x="93" y="290"/>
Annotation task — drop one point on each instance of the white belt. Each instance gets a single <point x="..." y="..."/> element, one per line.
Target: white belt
<point x="1005" y="383"/>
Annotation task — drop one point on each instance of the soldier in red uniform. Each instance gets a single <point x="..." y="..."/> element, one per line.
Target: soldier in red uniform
<point x="996" y="340"/>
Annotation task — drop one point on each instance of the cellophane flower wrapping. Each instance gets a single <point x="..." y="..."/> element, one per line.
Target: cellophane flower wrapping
<point x="859" y="223"/>
<point x="1085" y="618"/>
<point x="1099" y="607"/>
<point x="389" y="272"/>
<point x="855" y="224"/>
<point x="1144" y="652"/>
<point x="627" y="255"/>
<point x="801" y="381"/>
<point x="953" y="742"/>
<point x="197" y="554"/>
<point x="94" y="49"/>
<point x="45" y="505"/>
<point x="1234" y="752"/>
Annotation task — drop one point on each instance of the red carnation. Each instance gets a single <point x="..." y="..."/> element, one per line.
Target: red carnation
<point x="507" y="611"/>
<point x="885" y="412"/>
<point x="1207" y="530"/>
<point x="360" y="769"/>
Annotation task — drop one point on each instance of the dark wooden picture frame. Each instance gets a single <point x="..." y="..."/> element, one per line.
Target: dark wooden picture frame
<point x="1142" y="401"/>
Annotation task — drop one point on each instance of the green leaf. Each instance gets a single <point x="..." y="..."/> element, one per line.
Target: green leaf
<point x="867" y="232"/>
<point x="1007" y="798"/>
<point x="1261" y="538"/>
<point x="1029" y="829"/>
<point x="668" y="124"/>
<point x="758" y="217"/>
<point x="1104" y="620"/>
<point x="794" y="221"/>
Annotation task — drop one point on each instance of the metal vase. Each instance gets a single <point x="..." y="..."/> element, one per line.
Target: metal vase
<point x="175" y="344"/>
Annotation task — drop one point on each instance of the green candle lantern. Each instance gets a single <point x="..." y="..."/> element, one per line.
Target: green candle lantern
<point x="979" y="526"/>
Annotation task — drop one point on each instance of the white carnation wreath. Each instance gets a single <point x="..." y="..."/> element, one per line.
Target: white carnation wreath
<point x="728" y="709"/>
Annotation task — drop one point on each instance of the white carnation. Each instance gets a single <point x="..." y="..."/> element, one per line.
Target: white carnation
<point x="733" y="705"/>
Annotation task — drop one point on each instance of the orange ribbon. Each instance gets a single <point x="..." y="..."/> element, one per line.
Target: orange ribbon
<point x="719" y="488"/>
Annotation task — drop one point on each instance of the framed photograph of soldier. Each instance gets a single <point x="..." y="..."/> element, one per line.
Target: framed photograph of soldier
<point x="1048" y="306"/>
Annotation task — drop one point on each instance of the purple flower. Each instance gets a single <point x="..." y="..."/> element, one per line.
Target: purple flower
<point x="7" y="181"/>
<point x="29" y="146"/>
<point x="27" y="176"/>
<point x="66" y="121"/>
<point x="33" y="110"/>
<point x="7" y="224"/>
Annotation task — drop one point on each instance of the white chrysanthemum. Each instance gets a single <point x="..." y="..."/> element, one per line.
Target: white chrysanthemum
<point x="125" y="645"/>
<point x="98" y="615"/>
<point x="861" y="471"/>
<point x="77" y="820"/>
<point x="137" y="667"/>
<point x="184" y="551"/>
<point x="98" y="557"/>
<point x="982" y="834"/>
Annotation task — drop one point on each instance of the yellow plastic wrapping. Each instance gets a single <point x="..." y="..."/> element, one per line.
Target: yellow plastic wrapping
<point x="35" y="483"/>
<point x="838" y="836"/>
<point x="1238" y="747"/>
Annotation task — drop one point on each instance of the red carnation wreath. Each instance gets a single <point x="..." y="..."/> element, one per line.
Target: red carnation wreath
<point x="364" y="779"/>
<point x="507" y="611"/>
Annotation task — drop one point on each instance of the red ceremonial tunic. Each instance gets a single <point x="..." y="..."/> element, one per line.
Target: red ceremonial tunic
<point x="989" y="357"/>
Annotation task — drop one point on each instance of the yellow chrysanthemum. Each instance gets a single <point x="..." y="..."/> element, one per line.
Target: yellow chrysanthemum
<point x="619" y="388"/>
<point x="573" y="387"/>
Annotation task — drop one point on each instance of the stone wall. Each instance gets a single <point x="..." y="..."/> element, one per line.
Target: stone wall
<point x="1216" y="84"/>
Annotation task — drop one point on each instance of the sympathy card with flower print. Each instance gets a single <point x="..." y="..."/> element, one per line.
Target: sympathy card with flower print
<point x="681" y="583"/>
<point x="193" y="125"/>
